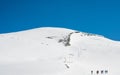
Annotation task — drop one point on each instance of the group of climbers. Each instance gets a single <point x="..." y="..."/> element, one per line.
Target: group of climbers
<point x="99" y="72"/>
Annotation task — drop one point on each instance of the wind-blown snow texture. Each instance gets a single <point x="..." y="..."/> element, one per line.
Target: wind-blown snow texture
<point x="58" y="51"/>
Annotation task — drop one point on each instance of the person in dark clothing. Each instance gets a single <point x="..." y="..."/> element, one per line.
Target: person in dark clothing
<point x="106" y="71"/>
<point x="97" y="72"/>
<point x="102" y="71"/>
<point x="91" y="72"/>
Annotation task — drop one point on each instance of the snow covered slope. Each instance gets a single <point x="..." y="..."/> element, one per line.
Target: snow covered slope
<point x="58" y="51"/>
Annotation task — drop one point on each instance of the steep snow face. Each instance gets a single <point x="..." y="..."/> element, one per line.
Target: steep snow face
<point x="58" y="51"/>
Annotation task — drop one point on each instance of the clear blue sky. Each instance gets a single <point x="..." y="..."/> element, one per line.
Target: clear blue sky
<point x="94" y="16"/>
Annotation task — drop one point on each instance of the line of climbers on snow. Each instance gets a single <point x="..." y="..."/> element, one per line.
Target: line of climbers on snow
<point x="99" y="72"/>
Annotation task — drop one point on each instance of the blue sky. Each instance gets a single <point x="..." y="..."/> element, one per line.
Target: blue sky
<point x="94" y="16"/>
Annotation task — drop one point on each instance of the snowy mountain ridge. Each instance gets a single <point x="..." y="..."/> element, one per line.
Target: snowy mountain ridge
<point x="58" y="51"/>
<point x="62" y="39"/>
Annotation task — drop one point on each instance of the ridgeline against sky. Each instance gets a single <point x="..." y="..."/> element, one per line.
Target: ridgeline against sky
<point x="94" y="16"/>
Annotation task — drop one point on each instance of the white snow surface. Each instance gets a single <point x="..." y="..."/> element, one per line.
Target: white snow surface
<point x="40" y="52"/>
